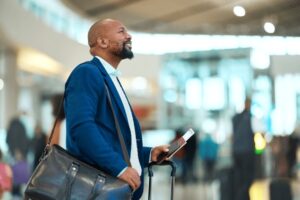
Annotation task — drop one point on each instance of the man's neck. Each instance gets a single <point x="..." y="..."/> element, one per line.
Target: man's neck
<point x="112" y="60"/>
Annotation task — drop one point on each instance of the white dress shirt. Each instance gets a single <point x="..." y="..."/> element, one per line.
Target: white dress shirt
<point x="134" y="159"/>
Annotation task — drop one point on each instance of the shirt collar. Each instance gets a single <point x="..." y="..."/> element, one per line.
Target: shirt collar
<point x="109" y="68"/>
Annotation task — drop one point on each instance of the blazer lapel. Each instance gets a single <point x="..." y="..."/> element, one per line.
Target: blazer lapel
<point x="110" y="86"/>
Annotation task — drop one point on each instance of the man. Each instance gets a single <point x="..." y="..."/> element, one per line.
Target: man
<point x="91" y="131"/>
<point x="243" y="152"/>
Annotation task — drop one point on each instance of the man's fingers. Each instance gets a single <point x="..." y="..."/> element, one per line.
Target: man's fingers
<point x="134" y="184"/>
<point x="137" y="181"/>
<point x="131" y="177"/>
<point x="159" y="150"/>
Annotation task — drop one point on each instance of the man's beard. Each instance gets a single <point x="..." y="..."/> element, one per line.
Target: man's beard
<point x="126" y="53"/>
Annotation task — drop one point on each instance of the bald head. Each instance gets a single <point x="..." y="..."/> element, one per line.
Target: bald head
<point x="99" y="29"/>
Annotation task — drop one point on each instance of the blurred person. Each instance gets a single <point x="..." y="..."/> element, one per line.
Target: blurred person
<point x="38" y="144"/>
<point x="208" y="150"/>
<point x="179" y="155"/>
<point x="277" y="153"/>
<point x="59" y="135"/>
<point x="280" y="184"/>
<point x="243" y="152"/>
<point x="293" y="143"/>
<point x="281" y="155"/>
<point x="188" y="170"/>
<point x="91" y="131"/>
<point x="6" y="177"/>
<point x="21" y="174"/>
<point x="28" y="122"/>
<point x="17" y="139"/>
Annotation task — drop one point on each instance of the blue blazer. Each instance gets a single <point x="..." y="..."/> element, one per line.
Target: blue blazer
<point x="91" y="131"/>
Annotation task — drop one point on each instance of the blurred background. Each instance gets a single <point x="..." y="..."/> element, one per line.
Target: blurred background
<point x="196" y="62"/>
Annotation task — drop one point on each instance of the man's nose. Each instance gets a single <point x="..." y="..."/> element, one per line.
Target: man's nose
<point x="128" y="36"/>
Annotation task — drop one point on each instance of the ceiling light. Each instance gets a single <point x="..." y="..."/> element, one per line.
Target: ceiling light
<point x="259" y="59"/>
<point x="239" y="11"/>
<point x="269" y="27"/>
<point x="35" y="62"/>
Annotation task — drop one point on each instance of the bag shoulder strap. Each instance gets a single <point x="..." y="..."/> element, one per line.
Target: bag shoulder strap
<point x="121" y="139"/>
<point x="120" y="136"/>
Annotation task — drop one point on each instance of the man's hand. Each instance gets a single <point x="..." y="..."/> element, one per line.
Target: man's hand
<point x="131" y="177"/>
<point x="156" y="151"/>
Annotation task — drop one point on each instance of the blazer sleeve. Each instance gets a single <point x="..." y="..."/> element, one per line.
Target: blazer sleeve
<point x="84" y="91"/>
<point x="146" y="156"/>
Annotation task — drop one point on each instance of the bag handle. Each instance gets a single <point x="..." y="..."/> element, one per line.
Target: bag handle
<point x="120" y="136"/>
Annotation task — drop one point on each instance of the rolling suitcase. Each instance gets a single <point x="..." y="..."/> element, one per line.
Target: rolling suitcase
<point x="173" y="172"/>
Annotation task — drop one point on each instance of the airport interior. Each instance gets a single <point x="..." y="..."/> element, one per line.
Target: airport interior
<point x="195" y="64"/>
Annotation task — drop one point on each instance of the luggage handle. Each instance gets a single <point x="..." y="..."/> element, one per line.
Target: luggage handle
<point x="173" y="172"/>
<point x="166" y="162"/>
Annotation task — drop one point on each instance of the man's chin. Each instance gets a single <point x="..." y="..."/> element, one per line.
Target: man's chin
<point x="127" y="54"/>
<point x="130" y="56"/>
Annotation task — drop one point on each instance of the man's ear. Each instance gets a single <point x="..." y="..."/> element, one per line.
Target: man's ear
<point x="103" y="43"/>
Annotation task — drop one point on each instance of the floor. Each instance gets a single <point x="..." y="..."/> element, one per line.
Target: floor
<point x="199" y="191"/>
<point x="205" y="191"/>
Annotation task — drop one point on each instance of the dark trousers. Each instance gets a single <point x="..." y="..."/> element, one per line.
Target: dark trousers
<point x="188" y="171"/>
<point x="244" y="165"/>
<point x="209" y="166"/>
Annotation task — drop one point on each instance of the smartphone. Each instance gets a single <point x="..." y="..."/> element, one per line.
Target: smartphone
<point x="175" y="146"/>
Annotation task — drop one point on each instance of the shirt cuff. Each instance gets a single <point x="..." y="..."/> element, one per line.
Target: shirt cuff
<point x="122" y="172"/>
<point x="150" y="156"/>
